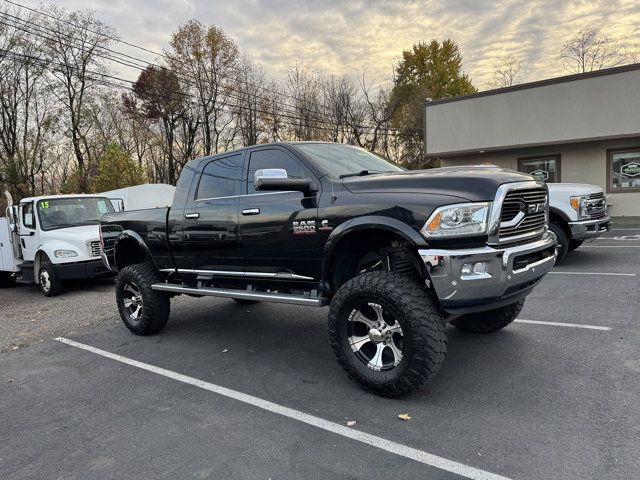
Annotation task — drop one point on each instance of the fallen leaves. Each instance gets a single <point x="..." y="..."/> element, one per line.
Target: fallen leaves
<point x="405" y="416"/>
<point x="351" y="423"/>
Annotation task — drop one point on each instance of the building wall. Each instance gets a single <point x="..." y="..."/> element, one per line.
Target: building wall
<point x="584" y="108"/>
<point x="584" y="162"/>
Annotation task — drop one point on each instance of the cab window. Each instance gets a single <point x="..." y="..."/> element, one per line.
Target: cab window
<point x="28" y="219"/>
<point x="221" y="178"/>
<point x="272" y="158"/>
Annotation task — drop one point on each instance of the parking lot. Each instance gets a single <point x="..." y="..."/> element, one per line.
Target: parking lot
<point x="229" y="391"/>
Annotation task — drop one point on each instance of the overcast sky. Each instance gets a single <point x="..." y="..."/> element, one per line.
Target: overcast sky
<point x="345" y="36"/>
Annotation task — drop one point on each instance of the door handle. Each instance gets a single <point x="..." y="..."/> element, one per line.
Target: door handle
<point x="251" y="211"/>
<point x="191" y="215"/>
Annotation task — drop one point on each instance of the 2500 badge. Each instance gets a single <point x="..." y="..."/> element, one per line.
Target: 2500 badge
<point x="308" y="227"/>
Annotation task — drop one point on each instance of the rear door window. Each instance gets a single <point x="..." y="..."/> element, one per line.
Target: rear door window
<point x="221" y="178"/>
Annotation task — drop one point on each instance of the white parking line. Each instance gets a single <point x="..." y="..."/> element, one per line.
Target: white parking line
<point x="373" y="440"/>
<point x="610" y="246"/>
<point x="555" y="272"/>
<point x="562" y="324"/>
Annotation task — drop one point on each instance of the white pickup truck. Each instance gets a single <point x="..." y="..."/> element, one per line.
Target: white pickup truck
<point x="48" y="239"/>
<point x="577" y="212"/>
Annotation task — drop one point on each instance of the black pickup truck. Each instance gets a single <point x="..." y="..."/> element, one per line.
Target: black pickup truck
<point x="396" y="254"/>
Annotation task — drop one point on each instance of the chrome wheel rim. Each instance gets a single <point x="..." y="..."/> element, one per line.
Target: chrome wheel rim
<point x="375" y="336"/>
<point x="45" y="280"/>
<point x="133" y="301"/>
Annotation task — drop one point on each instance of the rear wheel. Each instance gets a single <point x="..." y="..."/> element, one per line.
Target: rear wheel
<point x="50" y="284"/>
<point x="562" y="241"/>
<point x="7" y="280"/>
<point x="387" y="332"/>
<point x="489" y="321"/>
<point x="143" y="310"/>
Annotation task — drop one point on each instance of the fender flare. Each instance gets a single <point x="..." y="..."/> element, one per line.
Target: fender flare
<point x="378" y="222"/>
<point x="131" y="235"/>
<point x="559" y="213"/>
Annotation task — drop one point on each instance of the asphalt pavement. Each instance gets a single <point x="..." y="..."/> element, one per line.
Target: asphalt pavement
<point x="229" y="391"/>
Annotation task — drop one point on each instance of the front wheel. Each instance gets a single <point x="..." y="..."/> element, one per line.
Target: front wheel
<point x="387" y="332"/>
<point x="573" y="244"/>
<point x="143" y="310"/>
<point x="489" y="321"/>
<point x="562" y="241"/>
<point x="50" y="284"/>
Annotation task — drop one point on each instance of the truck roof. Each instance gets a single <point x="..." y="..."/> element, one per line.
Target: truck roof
<point x="71" y="195"/>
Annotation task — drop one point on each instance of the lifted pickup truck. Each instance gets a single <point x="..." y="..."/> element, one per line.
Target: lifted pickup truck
<point x="396" y="254"/>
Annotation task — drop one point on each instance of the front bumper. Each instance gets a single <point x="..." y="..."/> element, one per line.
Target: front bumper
<point x="587" y="229"/>
<point x="510" y="273"/>
<point x="78" y="270"/>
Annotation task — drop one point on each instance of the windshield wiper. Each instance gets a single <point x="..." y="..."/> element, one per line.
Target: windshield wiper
<point x="361" y="173"/>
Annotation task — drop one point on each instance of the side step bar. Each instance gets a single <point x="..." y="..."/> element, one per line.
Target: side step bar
<point x="244" y="295"/>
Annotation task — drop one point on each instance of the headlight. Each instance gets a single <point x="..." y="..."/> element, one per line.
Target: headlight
<point x="579" y="205"/>
<point x="65" y="253"/>
<point x="459" y="220"/>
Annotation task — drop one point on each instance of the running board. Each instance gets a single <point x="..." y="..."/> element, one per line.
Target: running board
<point x="243" y="295"/>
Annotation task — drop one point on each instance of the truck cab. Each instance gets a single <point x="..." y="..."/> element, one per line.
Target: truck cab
<point x="54" y="238"/>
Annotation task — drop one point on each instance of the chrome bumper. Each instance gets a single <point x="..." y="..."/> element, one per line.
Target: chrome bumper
<point x="589" y="228"/>
<point x="508" y="274"/>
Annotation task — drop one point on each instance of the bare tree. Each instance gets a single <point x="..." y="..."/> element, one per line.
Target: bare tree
<point x="26" y="110"/>
<point x="251" y="79"/>
<point x="205" y="58"/>
<point x="506" y="72"/>
<point x="304" y="88"/>
<point x="591" y="50"/>
<point x="73" y="46"/>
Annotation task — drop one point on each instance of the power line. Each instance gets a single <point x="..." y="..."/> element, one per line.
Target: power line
<point x="292" y="115"/>
<point x="168" y="57"/>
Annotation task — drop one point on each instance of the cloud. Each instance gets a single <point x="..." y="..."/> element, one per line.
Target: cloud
<point x="338" y="37"/>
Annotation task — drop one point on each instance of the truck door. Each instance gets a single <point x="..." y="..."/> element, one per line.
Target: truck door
<point x="29" y="240"/>
<point x="209" y="227"/>
<point x="268" y="240"/>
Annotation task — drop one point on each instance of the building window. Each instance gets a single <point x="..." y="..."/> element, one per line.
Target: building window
<point x="623" y="170"/>
<point x="545" y="168"/>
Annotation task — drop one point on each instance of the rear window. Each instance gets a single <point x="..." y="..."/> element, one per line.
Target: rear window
<point x="221" y="178"/>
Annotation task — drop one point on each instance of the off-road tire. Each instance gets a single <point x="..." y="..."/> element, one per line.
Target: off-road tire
<point x="7" y="280"/>
<point x="489" y="321"/>
<point x="573" y="244"/>
<point x="155" y="306"/>
<point x="243" y="301"/>
<point x="52" y="286"/>
<point x="562" y="241"/>
<point x="423" y="327"/>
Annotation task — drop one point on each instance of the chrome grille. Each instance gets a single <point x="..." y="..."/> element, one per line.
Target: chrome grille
<point x="94" y="248"/>
<point x="596" y="206"/>
<point x="522" y="216"/>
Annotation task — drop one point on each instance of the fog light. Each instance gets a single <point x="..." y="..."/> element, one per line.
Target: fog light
<point x="480" y="268"/>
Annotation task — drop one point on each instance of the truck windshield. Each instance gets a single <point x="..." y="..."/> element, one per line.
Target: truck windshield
<point x="341" y="161"/>
<point x="72" y="211"/>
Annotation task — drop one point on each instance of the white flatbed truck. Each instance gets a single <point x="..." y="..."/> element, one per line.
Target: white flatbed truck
<point x="49" y="239"/>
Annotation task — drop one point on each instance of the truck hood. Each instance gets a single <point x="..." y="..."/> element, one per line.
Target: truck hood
<point x="474" y="183"/>
<point x="573" y="188"/>
<point x="81" y="233"/>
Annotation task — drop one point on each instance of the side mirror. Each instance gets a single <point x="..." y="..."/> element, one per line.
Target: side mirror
<point x="276" y="179"/>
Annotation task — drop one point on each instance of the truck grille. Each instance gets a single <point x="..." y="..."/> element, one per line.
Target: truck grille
<point x="94" y="248"/>
<point x="597" y="206"/>
<point x="523" y="214"/>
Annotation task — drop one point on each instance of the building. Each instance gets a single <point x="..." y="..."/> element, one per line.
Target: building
<point x="581" y="128"/>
